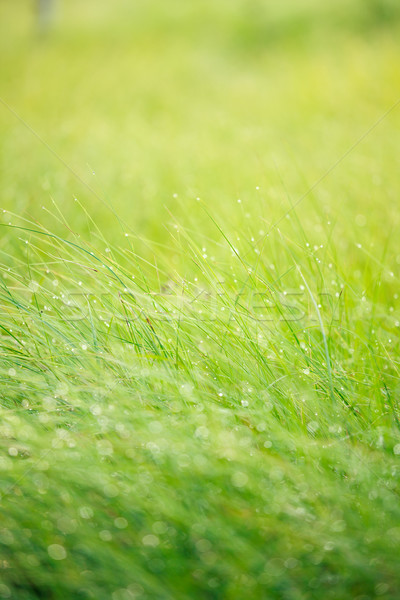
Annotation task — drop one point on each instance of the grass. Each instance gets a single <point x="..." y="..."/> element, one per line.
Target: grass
<point x="199" y="274"/>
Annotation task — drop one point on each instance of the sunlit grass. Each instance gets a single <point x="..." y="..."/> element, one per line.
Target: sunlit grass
<point x="199" y="305"/>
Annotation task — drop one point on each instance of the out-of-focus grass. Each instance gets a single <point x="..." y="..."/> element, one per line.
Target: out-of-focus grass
<point x="175" y="99"/>
<point x="200" y="383"/>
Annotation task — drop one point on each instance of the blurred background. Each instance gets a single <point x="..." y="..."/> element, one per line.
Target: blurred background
<point x="154" y="104"/>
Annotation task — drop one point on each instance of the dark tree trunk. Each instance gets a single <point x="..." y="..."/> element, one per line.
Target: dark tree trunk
<point x="45" y="9"/>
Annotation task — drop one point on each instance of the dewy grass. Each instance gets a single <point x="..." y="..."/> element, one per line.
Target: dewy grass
<point x="188" y="440"/>
<point x="200" y="374"/>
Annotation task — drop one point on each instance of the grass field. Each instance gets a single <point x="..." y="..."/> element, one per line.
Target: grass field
<point x="199" y="301"/>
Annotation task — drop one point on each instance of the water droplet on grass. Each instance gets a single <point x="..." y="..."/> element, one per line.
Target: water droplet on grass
<point x="57" y="552"/>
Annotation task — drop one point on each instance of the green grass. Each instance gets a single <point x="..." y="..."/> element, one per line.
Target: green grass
<point x="199" y="311"/>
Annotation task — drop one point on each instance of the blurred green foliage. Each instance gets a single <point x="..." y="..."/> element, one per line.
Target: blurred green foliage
<point x="199" y="450"/>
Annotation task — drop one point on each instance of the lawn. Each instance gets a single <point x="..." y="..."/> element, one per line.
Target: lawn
<point x="199" y="301"/>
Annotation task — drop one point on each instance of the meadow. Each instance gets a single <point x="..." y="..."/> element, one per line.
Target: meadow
<point x="199" y="301"/>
